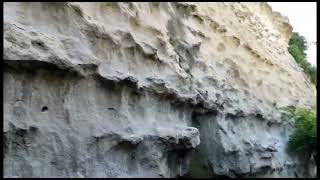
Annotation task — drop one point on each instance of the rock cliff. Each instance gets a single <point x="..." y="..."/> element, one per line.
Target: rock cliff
<point x="131" y="89"/>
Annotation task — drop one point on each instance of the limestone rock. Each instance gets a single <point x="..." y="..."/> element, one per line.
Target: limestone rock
<point x="130" y="89"/>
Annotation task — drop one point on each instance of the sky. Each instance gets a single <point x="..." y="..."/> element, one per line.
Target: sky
<point x="303" y="18"/>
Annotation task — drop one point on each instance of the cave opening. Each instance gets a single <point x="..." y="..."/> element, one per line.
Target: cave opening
<point x="44" y="109"/>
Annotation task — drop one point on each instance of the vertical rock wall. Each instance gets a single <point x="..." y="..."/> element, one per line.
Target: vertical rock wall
<point x="130" y="89"/>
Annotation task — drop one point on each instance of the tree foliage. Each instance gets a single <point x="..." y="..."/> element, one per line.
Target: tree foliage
<point x="304" y="137"/>
<point x="297" y="47"/>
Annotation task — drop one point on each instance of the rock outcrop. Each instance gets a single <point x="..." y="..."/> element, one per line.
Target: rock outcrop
<point x="130" y="89"/>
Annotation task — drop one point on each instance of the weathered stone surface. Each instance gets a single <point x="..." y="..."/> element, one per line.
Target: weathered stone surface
<point x="117" y="89"/>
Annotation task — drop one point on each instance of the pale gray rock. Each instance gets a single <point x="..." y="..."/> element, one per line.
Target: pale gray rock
<point x="131" y="89"/>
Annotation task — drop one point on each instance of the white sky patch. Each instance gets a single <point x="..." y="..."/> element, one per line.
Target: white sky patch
<point x="303" y="18"/>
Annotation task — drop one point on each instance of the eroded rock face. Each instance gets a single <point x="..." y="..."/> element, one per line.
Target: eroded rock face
<point x="123" y="89"/>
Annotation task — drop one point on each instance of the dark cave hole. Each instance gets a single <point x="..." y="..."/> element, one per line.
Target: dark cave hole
<point x="44" y="108"/>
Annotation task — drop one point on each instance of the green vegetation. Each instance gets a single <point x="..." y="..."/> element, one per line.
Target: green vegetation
<point x="198" y="166"/>
<point x="304" y="138"/>
<point x="297" y="47"/>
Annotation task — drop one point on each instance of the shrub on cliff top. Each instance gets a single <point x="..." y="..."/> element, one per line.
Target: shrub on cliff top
<point x="297" y="47"/>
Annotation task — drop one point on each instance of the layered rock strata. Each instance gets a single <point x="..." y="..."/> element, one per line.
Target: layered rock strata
<point x="130" y="89"/>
